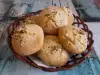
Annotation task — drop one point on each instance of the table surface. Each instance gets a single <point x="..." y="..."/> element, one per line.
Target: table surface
<point x="10" y="65"/>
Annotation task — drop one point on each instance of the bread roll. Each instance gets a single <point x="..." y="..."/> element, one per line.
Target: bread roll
<point x="27" y="39"/>
<point x="52" y="18"/>
<point x="52" y="52"/>
<point x="73" y="39"/>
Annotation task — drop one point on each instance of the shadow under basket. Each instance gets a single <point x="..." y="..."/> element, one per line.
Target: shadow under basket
<point x="75" y="59"/>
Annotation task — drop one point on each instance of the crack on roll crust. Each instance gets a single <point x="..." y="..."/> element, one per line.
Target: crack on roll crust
<point x="73" y="39"/>
<point x="52" y="19"/>
<point x="69" y="39"/>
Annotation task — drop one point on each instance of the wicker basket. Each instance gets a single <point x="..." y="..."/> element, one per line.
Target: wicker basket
<point x="75" y="59"/>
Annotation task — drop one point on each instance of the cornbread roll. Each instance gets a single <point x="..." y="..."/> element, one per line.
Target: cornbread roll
<point x="70" y="16"/>
<point x="73" y="39"/>
<point x="27" y="39"/>
<point x="52" y="52"/>
<point x="52" y="18"/>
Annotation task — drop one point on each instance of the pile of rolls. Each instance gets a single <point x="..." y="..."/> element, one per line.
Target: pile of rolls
<point x="50" y="35"/>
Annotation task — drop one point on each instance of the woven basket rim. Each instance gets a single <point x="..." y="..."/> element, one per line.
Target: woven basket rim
<point x="67" y="66"/>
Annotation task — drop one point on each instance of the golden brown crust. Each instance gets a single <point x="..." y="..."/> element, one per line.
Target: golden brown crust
<point x="52" y="18"/>
<point x="28" y="39"/>
<point x="52" y="52"/>
<point x="73" y="39"/>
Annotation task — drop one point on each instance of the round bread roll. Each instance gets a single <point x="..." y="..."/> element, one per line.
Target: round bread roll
<point x="27" y="39"/>
<point x="52" y="52"/>
<point x="70" y="16"/>
<point x="73" y="39"/>
<point x="52" y="18"/>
